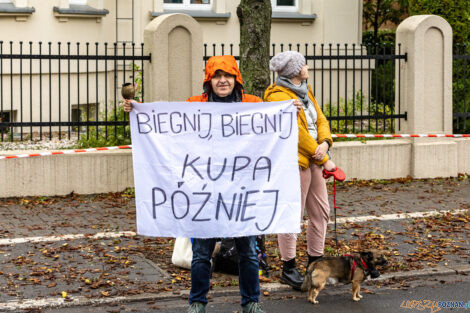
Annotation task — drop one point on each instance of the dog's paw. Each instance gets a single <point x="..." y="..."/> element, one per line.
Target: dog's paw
<point x="356" y="299"/>
<point x="360" y="296"/>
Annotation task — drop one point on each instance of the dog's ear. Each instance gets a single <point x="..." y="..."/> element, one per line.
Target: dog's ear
<point x="367" y="255"/>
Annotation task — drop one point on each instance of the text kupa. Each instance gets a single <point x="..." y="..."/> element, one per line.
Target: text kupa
<point x="202" y="123"/>
<point x="232" y="207"/>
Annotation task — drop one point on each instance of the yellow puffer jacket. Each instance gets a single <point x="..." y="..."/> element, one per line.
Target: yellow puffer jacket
<point x="307" y="145"/>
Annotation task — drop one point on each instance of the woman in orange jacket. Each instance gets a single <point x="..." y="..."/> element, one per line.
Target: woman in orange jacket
<point x="314" y="142"/>
<point x="222" y="83"/>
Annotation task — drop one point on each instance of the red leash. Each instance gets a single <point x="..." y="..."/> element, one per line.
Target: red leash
<point x="335" y="207"/>
<point x="339" y="175"/>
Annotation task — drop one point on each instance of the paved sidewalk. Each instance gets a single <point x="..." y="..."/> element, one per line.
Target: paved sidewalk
<point x="102" y="264"/>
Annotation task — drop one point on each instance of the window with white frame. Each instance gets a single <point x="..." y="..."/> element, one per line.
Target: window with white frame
<point x="5" y="1"/>
<point x="284" y="5"/>
<point x="82" y="2"/>
<point x="187" y="4"/>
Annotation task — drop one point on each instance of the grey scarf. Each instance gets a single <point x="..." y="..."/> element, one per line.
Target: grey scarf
<point x="309" y="109"/>
<point x="301" y="91"/>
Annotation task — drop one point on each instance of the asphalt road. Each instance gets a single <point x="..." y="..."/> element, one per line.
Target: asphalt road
<point x="38" y="271"/>
<point x="391" y="298"/>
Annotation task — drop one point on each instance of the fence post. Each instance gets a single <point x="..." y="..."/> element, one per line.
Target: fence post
<point x="425" y="93"/>
<point x="176" y="71"/>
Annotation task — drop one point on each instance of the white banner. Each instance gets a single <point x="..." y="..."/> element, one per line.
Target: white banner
<point x="205" y="170"/>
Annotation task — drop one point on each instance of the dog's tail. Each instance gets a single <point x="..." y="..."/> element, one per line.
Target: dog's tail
<point x="307" y="281"/>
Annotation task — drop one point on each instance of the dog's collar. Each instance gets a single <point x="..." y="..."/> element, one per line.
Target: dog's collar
<point x="366" y="269"/>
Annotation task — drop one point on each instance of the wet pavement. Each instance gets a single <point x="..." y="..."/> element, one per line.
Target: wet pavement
<point x="102" y="268"/>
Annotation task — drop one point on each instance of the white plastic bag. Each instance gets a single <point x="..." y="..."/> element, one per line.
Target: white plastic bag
<point x="182" y="253"/>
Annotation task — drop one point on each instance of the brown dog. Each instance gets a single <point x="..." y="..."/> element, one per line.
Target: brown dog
<point x="353" y="268"/>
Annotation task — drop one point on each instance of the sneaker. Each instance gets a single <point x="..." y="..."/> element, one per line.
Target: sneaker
<point x="197" y="307"/>
<point x="252" y="307"/>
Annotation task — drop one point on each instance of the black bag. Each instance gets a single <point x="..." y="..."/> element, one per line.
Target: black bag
<point x="226" y="259"/>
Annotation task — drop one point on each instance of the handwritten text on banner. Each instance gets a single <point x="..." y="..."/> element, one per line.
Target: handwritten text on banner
<point x="210" y="169"/>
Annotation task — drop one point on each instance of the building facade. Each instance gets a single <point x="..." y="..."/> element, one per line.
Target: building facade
<point x="57" y="90"/>
<point x="294" y="21"/>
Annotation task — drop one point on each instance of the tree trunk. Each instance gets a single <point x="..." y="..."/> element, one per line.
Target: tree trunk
<point x="378" y="11"/>
<point x="255" y="33"/>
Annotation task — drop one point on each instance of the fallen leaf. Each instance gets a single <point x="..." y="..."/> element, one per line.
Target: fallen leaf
<point x="53" y="284"/>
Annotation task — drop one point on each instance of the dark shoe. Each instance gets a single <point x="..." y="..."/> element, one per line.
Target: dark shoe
<point x="312" y="259"/>
<point x="252" y="307"/>
<point x="290" y="275"/>
<point x="197" y="307"/>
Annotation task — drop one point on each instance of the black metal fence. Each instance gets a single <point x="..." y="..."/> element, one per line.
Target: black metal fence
<point x="354" y="84"/>
<point x="461" y="89"/>
<point x="72" y="90"/>
<point x="65" y="90"/>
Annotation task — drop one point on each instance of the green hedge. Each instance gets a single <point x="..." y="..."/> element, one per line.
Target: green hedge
<point x="384" y="37"/>
<point x="461" y="89"/>
<point x="107" y="136"/>
<point x="383" y="75"/>
<point x="456" y="12"/>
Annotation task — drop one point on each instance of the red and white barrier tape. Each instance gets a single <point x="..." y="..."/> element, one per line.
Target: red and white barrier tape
<point x="399" y="135"/>
<point x="30" y="155"/>
<point x="334" y="136"/>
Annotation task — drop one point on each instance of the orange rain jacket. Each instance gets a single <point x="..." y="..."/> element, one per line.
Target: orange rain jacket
<point x="307" y="145"/>
<point x="227" y="64"/>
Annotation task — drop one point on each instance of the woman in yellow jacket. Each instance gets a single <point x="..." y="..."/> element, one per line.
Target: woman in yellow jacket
<point x="314" y="142"/>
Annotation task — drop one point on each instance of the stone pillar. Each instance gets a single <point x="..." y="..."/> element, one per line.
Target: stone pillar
<point x="426" y="93"/>
<point x="176" y="71"/>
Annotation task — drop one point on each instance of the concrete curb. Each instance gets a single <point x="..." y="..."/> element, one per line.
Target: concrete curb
<point x="432" y="271"/>
<point x="232" y="291"/>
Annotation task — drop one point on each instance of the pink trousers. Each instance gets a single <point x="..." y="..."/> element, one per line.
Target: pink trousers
<point x="315" y="200"/>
